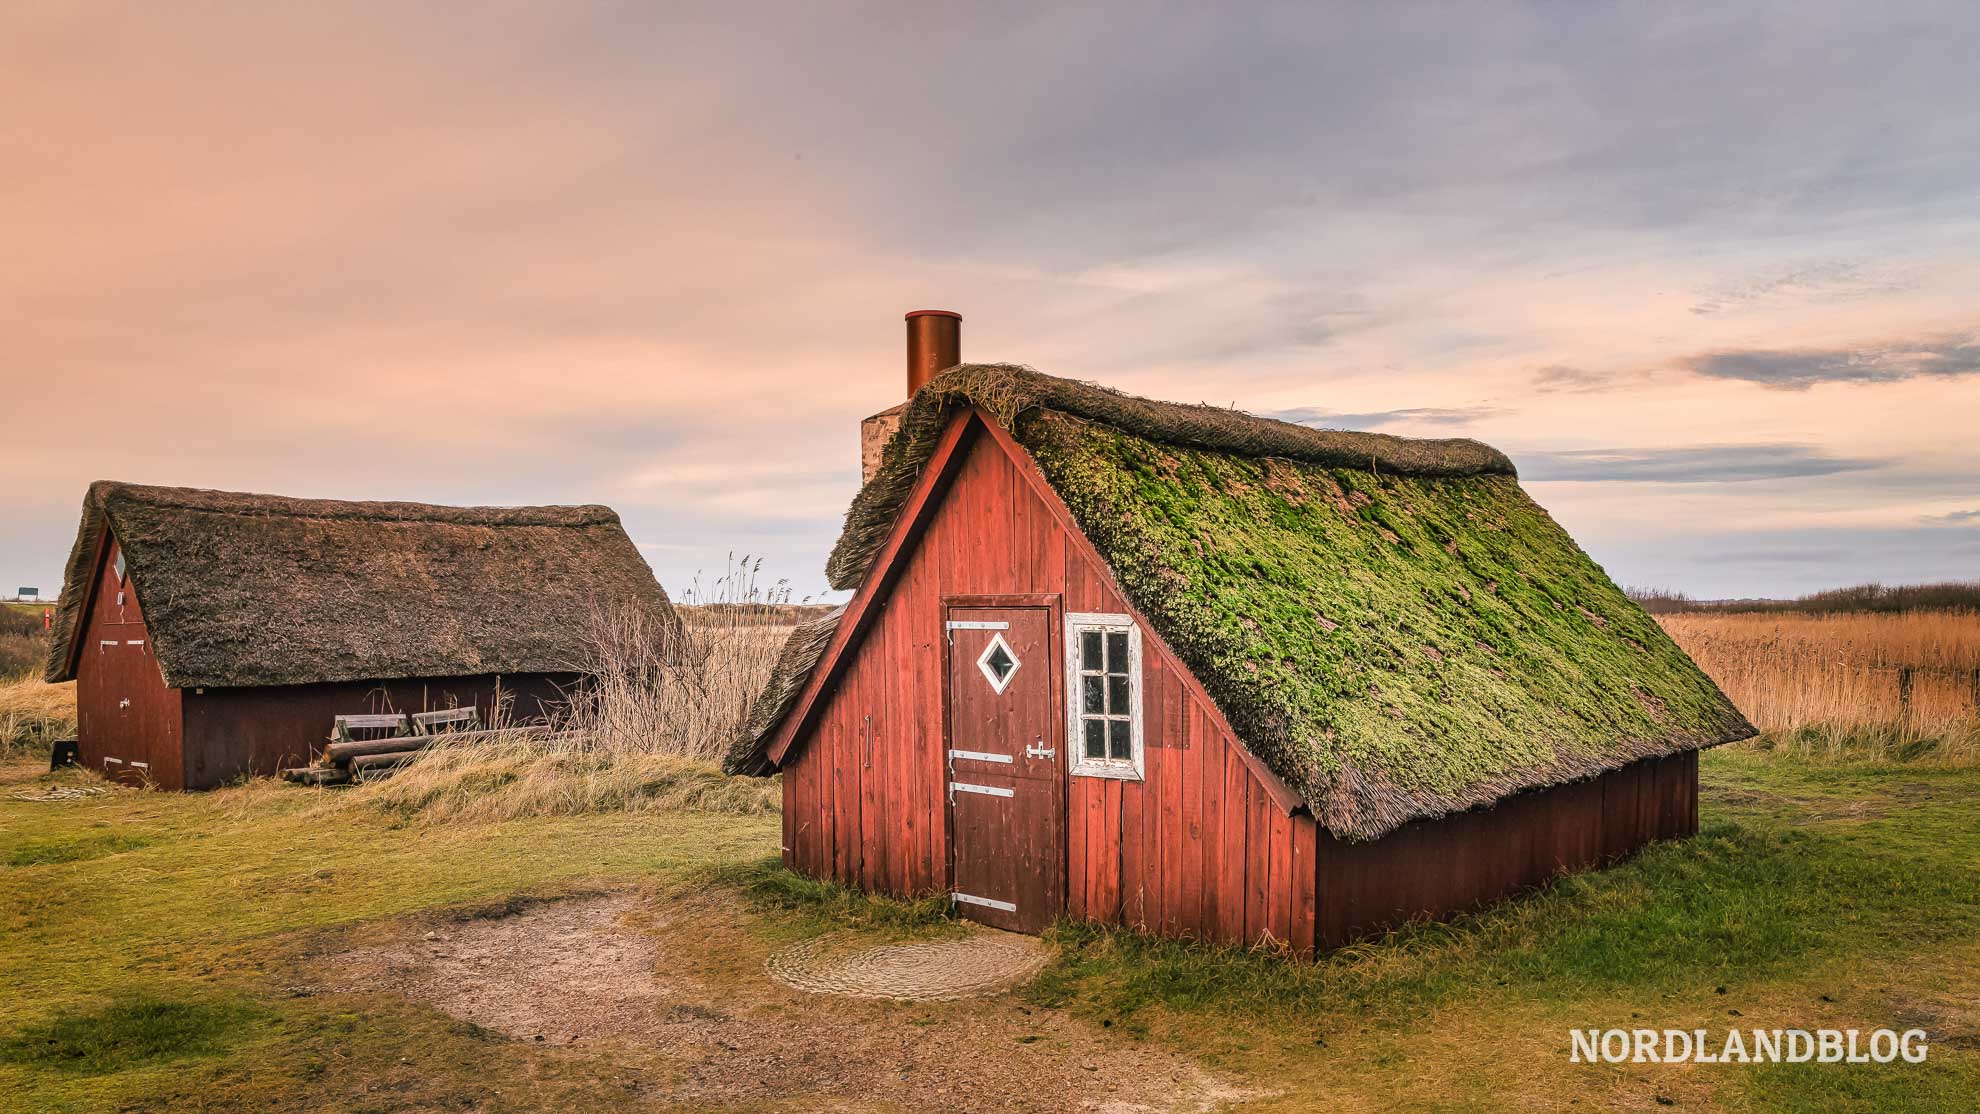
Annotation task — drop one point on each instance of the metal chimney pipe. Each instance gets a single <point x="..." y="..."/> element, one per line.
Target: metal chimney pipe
<point x="934" y="343"/>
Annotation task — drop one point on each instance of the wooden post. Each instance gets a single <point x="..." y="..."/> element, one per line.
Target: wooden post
<point x="1975" y="693"/>
<point x="1904" y="694"/>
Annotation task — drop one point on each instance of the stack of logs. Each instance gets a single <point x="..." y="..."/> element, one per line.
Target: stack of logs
<point x="341" y="763"/>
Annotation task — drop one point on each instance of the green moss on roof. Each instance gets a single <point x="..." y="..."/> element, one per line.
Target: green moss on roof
<point x="1392" y="625"/>
<point x="1392" y="646"/>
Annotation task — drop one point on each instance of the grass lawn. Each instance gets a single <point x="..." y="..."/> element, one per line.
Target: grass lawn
<point x="166" y="952"/>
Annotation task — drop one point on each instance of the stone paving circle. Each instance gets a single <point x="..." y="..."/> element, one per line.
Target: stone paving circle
<point x="974" y="966"/>
<point x="57" y="793"/>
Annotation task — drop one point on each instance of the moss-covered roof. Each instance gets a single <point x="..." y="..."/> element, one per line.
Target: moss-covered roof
<point x="1393" y="626"/>
<point x="244" y="590"/>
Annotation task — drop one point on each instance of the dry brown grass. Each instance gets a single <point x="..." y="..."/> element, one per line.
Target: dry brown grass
<point x="646" y="734"/>
<point x="34" y="714"/>
<point x="1906" y="685"/>
<point x="23" y="641"/>
<point x="518" y="776"/>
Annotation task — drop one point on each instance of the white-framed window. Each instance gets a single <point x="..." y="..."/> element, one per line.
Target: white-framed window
<point x="1103" y="695"/>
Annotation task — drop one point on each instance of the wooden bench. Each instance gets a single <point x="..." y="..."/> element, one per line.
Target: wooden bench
<point x="391" y="724"/>
<point x="449" y="719"/>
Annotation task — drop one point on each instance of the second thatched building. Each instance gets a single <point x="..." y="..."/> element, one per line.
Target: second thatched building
<point x="213" y="634"/>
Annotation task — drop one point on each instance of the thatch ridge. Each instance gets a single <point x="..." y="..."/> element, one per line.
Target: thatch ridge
<point x="243" y="589"/>
<point x="1007" y="392"/>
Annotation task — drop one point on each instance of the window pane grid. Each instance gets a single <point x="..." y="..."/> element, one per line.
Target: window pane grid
<point x="1105" y="711"/>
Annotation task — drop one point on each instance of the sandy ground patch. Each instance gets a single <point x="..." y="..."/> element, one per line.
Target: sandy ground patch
<point x="614" y="971"/>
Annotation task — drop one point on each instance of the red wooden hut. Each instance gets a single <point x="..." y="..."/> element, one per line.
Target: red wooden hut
<point x="213" y="634"/>
<point x="1212" y="675"/>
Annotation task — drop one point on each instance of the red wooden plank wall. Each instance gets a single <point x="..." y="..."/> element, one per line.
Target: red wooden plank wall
<point x="228" y="732"/>
<point x="1436" y="867"/>
<point x="147" y="729"/>
<point x="1196" y="849"/>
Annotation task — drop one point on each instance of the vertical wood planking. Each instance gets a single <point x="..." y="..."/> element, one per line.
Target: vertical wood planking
<point x="845" y="806"/>
<point x="1230" y="882"/>
<point x="1093" y="796"/>
<point x="1278" y="894"/>
<point x="872" y="817"/>
<point x="1194" y="729"/>
<point x="1166" y="765"/>
<point x="1258" y="855"/>
<point x="1079" y="872"/>
<point x="902" y="754"/>
<point x="1107" y="892"/>
<point x="1305" y="884"/>
<point x="1210" y="774"/>
<point x="788" y="852"/>
<point x="1134" y="882"/>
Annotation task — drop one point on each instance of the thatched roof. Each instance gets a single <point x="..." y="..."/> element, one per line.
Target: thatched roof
<point x="243" y="590"/>
<point x="1391" y="624"/>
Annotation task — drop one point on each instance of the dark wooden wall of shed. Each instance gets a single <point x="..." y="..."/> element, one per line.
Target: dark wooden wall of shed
<point x="1432" y="868"/>
<point x="124" y="712"/>
<point x="1198" y="848"/>
<point x="232" y="731"/>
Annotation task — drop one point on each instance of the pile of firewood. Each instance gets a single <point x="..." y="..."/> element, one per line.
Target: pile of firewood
<point x="344" y="762"/>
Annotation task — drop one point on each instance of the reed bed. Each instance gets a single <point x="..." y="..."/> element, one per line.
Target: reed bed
<point x="516" y="776"/>
<point x="33" y="714"/>
<point x="646" y="733"/>
<point x="1901" y="685"/>
<point x="23" y="640"/>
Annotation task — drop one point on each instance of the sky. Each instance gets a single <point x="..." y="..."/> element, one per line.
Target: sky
<point x="1708" y="273"/>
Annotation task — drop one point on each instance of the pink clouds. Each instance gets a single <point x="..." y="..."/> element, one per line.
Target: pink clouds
<point x="659" y="261"/>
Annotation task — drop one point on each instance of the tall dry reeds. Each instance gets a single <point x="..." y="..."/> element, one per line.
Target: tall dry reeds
<point x="33" y="714"/>
<point x="686" y="689"/>
<point x="1908" y="683"/>
<point x="646" y="730"/>
<point x="23" y="641"/>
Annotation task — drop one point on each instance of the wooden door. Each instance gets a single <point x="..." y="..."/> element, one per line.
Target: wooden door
<point x="125" y="752"/>
<point x="1005" y="767"/>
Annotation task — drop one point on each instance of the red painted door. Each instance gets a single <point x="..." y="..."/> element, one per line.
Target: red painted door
<point x="1005" y="772"/>
<point x="123" y="663"/>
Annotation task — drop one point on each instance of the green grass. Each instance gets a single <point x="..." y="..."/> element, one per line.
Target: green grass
<point x="154" y="943"/>
<point x="809" y="905"/>
<point x="134" y="1031"/>
<point x="1836" y="895"/>
<point x="72" y="848"/>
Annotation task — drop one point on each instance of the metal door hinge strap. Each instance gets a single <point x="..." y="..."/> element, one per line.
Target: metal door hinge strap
<point x="980" y="756"/>
<point x="986" y="790"/>
<point x="971" y="624"/>
<point x="991" y="902"/>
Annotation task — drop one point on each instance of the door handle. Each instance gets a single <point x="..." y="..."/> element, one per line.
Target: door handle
<point x="1039" y="750"/>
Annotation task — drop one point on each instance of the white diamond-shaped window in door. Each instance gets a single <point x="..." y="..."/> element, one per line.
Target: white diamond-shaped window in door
<point x="998" y="663"/>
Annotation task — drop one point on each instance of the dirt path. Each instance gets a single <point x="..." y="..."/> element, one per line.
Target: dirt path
<point x="618" y="970"/>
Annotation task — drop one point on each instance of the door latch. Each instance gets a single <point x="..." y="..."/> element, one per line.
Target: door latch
<point x="1039" y="750"/>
